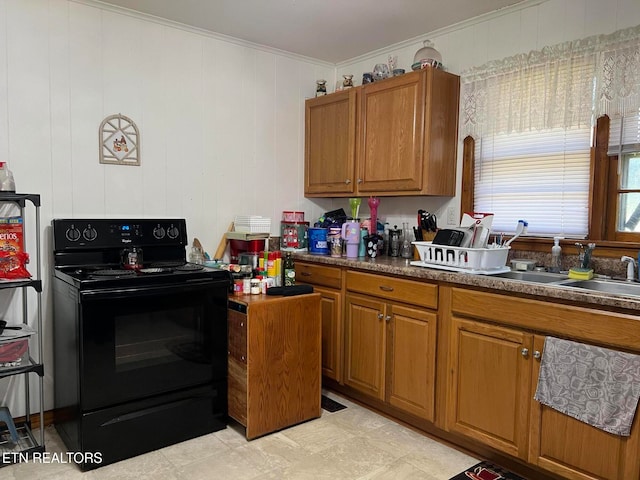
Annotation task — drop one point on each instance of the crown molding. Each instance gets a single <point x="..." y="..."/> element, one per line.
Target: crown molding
<point x="440" y="32"/>
<point x="200" y="31"/>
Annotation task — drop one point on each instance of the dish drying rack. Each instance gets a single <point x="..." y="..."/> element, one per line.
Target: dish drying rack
<point x="484" y="261"/>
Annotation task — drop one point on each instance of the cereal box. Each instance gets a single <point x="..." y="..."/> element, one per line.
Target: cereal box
<point x="12" y="256"/>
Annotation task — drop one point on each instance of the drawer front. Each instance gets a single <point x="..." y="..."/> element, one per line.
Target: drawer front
<point x="237" y="323"/>
<point x="579" y="323"/>
<point x="237" y="391"/>
<point x="319" y="275"/>
<point x="397" y="289"/>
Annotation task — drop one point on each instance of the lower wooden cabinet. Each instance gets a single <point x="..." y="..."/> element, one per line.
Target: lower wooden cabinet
<point x="490" y="385"/>
<point x="411" y="373"/>
<point x="380" y="337"/>
<point x="331" y="317"/>
<point x="274" y="361"/>
<point x="493" y="377"/>
<point x="575" y="450"/>
<point x="365" y="345"/>
<point x="327" y="281"/>
<point x="390" y="347"/>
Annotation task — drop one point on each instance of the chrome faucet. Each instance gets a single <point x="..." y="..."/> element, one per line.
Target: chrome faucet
<point x="631" y="263"/>
<point x="584" y="253"/>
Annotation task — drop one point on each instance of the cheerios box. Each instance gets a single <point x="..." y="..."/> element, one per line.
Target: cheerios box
<point x="12" y="256"/>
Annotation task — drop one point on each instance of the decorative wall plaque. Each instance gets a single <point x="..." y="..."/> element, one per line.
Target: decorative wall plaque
<point x="119" y="141"/>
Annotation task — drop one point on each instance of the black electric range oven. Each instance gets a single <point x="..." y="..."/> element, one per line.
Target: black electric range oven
<point x="140" y="350"/>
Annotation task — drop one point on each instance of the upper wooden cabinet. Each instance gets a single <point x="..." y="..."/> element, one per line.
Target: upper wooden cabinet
<point x="393" y="137"/>
<point x="330" y="144"/>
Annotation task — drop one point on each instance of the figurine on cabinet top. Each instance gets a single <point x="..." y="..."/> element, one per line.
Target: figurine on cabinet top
<point x="321" y="88"/>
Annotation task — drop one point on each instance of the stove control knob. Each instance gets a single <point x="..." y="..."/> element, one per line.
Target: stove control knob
<point x="173" y="232"/>
<point x="89" y="233"/>
<point x="158" y="232"/>
<point x="72" y="234"/>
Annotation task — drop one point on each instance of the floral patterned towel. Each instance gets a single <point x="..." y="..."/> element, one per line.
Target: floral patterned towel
<point x="595" y="385"/>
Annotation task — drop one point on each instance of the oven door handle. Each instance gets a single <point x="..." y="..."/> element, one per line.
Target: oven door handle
<point x="147" y="291"/>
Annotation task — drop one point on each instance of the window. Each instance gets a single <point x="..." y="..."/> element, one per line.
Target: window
<point x="628" y="218"/>
<point x="623" y="195"/>
<point x="532" y="117"/>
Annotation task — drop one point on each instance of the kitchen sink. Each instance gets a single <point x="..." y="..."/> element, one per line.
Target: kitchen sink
<point x="535" y="277"/>
<point x="606" y="286"/>
<point x="614" y="287"/>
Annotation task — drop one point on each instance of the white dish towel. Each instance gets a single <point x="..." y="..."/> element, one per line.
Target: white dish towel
<point x="595" y="385"/>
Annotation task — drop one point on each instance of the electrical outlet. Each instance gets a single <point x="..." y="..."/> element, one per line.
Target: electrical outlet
<point x="451" y="216"/>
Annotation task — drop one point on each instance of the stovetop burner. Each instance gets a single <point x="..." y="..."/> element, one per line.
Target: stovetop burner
<point x="111" y="273"/>
<point x="155" y="270"/>
<point x="189" y="267"/>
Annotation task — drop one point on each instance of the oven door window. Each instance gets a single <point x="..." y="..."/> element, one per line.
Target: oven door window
<point x="145" y="342"/>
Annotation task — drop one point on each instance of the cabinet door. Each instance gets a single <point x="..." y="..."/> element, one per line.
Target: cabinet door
<point x="490" y="379"/>
<point x="411" y="373"/>
<point x="331" y="313"/>
<point x="330" y="149"/>
<point x="391" y="128"/>
<point x="573" y="449"/>
<point x="365" y="336"/>
<point x="283" y="362"/>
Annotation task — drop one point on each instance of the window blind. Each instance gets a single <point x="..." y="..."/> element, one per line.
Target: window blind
<point x="539" y="176"/>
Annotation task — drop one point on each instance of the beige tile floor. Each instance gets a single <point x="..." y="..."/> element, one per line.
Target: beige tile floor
<point x="351" y="444"/>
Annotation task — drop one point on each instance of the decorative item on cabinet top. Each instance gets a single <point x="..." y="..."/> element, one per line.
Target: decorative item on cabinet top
<point x="321" y="88"/>
<point x="119" y="139"/>
<point x="426" y="57"/>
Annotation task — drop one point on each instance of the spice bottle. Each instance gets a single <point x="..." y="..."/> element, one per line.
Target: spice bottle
<point x="288" y="271"/>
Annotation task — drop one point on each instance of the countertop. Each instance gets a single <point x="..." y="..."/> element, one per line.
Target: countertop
<point x="401" y="267"/>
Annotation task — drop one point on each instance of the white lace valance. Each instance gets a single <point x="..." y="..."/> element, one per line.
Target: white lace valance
<point x="565" y="85"/>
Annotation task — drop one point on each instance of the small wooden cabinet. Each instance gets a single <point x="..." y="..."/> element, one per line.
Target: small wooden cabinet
<point x="393" y="137"/>
<point x="274" y="361"/>
<point x="494" y="365"/>
<point x="390" y="346"/>
<point x="327" y="281"/>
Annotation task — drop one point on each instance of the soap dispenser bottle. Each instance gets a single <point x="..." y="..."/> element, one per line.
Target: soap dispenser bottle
<point x="556" y="255"/>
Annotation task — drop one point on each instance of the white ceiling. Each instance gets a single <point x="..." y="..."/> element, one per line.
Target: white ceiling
<point x="329" y="30"/>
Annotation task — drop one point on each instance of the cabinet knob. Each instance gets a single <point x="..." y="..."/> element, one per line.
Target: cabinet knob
<point x="359" y="180"/>
<point x="387" y="318"/>
<point x="537" y="355"/>
<point x="347" y="181"/>
<point x="305" y="274"/>
<point x="384" y="288"/>
<point x="524" y="352"/>
<point x="380" y="316"/>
